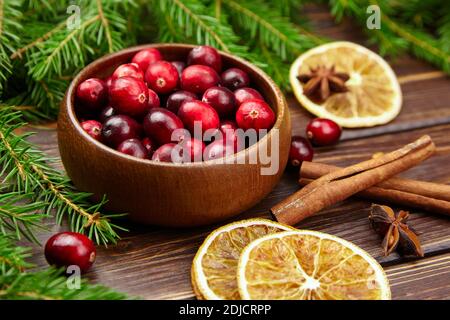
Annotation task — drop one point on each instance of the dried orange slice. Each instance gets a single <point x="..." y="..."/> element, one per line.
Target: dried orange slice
<point x="373" y="97"/>
<point x="306" y="265"/>
<point x="214" y="268"/>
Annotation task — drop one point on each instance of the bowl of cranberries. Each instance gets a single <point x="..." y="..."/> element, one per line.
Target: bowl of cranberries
<point x="162" y="131"/>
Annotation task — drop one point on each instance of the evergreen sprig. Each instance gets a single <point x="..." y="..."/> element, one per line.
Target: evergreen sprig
<point x="27" y="171"/>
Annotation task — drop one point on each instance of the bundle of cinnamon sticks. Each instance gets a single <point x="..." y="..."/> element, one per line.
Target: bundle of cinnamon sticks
<point x="325" y="185"/>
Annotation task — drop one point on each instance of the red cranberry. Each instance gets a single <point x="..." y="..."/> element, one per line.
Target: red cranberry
<point x="180" y="65"/>
<point x="301" y="150"/>
<point x="106" y="113"/>
<point x="323" y="132"/>
<point x="192" y="150"/>
<point x="198" y="79"/>
<point x="228" y="129"/>
<point x="93" y="128"/>
<point x="219" y="149"/>
<point x="108" y="81"/>
<point x="119" y="128"/>
<point x="146" y="57"/>
<point x="191" y="112"/>
<point x="70" y="248"/>
<point x="207" y="56"/>
<point x="128" y="70"/>
<point x="244" y="94"/>
<point x="221" y="99"/>
<point x="129" y="96"/>
<point x="175" y="100"/>
<point x="255" y="114"/>
<point x="234" y="78"/>
<point x="160" y="124"/>
<point x="162" y="77"/>
<point x="133" y="147"/>
<point x="153" y="99"/>
<point x="92" y="94"/>
<point x="164" y="153"/>
<point x="149" y="145"/>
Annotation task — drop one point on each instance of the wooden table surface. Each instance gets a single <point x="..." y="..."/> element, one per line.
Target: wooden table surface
<point x="154" y="263"/>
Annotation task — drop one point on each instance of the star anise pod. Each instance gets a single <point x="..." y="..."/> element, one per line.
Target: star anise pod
<point x="395" y="230"/>
<point x="322" y="82"/>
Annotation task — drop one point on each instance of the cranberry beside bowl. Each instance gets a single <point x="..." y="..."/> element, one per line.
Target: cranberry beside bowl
<point x="165" y="193"/>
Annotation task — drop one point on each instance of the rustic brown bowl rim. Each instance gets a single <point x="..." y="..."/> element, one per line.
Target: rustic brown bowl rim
<point x="71" y="90"/>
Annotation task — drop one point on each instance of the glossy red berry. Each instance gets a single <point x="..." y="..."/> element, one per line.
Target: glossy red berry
<point x="180" y="65"/>
<point x="301" y="150"/>
<point x="221" y="99"/>
<point x="162" y="77"/>
<point x="119" y="128"/>
<point x="196" y="113"/>
<point x="133" y="147"/>
<point x="234" y="78"/>
<point x="192" y="150"/>
<point x="129" y="96"/>
<point x="93" y="128"/>
<point x="175" y="100"/>
<point x="160" y="124"/>
<point x="243" y="94"/>
<point x="207" y="56"/>
<point x="92" y="94"/>
<point x="70" y="248"/>
<point x="153" y="99"/>
<point x="106" y="113"/>
<point x="128" y="70"/>
<point x="146" y="57"/>
<point x="323" y="132"/>
<point x="255" y="114"/>
<point x="164" y="153"/>
<point x="108" y="81"/>
<point x="149" y="145"/>
<point x="219" y="149"/>
<point x="198" y="79"/>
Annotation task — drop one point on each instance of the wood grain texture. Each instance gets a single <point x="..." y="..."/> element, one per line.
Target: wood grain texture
<point x="154" y="263"/>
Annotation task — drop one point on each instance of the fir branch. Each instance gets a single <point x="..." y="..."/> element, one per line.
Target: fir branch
<point x="27" y="170"/>
<point x="12" y="258"/>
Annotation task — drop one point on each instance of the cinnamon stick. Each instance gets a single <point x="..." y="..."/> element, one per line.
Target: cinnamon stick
<point x="399" y="197"/>
<point x="341" y="184"/>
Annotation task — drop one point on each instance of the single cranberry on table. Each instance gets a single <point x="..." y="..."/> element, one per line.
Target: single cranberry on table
<point x="119" y="128"/>
<point x="196" y="113"/>
<point x="146" y="57"/>
<point x="301" y="150"/>
<point x="106" y="113"/>
<point x="153" y="99"/>
<point x="234" y="78"/>
<point x="323" y="132"/>
<point x="128" y="70"/>
<point x="198" y="79"/>
<point x="164" y="153"/>
<point x="180" y="65"/>
<point x="160" y="124"/>
<point x="162" y="77"/>
<point x="93" y="128"/>
<point x="219" y="149"/>
<point x="149" y="145"/>
<point x="192" y="150"/>
<point x="175" y="100"/>
<point x="133" y="147"/>
<point x="255" y="114"/>
<point x="207" y="56"/>
<point x="129" y="96"/>
<point x="92" y="94"/>
<point x="70" y="248"/>
<point x="243" y="94"/>
<point x="221" y="99"/>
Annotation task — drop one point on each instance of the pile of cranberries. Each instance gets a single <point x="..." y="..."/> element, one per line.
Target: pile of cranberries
<point x="149" y="107"/>
<point x="320" y="132"/>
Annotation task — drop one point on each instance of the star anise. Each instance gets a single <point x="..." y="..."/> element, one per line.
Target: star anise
<point x="395" y="230"/>
<point x="322" y="82"/>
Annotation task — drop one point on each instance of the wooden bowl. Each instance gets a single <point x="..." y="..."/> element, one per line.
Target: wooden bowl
<point x="166" y="194"/>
